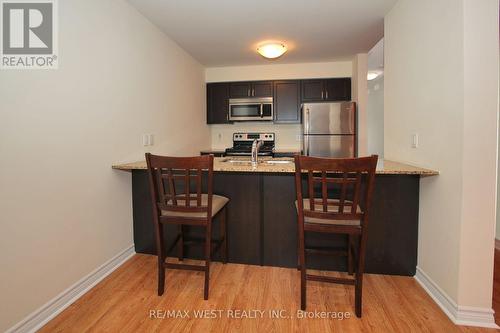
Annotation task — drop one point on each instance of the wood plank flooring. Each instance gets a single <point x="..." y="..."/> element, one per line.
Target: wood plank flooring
<point x="496" y="287"/>
<point x="124" y="300"/>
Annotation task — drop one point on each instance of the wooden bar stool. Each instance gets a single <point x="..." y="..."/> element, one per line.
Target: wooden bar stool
<point x="176" y="191"/>
<point x="339" y="204"/>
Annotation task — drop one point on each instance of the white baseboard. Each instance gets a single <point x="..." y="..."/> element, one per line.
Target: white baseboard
<point x="44" y="314"/>
<point x="459" y="315"/>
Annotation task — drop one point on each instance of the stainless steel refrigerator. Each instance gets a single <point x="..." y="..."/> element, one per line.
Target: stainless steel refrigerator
<point x="329" y="129"/>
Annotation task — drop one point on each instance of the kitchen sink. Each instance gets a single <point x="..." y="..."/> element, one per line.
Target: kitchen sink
<point x="278" y="161"/>
<point x="230" y="160"/>
<point x="261" y="161"/>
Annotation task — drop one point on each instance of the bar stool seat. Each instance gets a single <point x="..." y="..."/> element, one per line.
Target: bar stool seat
<point x="218" y="202"/>
<point x="333" y="207"/>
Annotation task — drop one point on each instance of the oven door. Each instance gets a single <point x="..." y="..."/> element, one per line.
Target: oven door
<point x="250" y="110"/>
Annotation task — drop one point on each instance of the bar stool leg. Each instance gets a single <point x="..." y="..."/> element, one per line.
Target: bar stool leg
<point x="208" y="250"/>
<point x="161" y="261"/>
<point x="350" y="245"/>
<point x="298" y="250"/>
<point x="180" y="246"/>
<point x="223" y="226"/>
<point x="358" y="293"/>
<point x="302" y="260"/>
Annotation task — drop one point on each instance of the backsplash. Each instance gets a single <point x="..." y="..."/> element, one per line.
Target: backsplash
<point x="287" y="136"/>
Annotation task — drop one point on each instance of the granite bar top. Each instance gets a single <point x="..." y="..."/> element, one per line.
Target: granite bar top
<point x="286" y="165"/>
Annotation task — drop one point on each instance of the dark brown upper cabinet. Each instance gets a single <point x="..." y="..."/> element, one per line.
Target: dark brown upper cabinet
<point x="262" y="89"/>
<point x="251" y="89"/>
<point x="329" y="90"/>
<point x="240" y="89"/>
<point x="218" y="103"/>
<point x="338" y="89"/>
<point x="286" y="102"/>
<point x="287" y="96"/>
<point x="312" y="90"/>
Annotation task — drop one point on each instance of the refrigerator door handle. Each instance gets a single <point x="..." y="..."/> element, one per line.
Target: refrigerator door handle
<point x="306" y="145"/>
<point x="306" y="121"/>
<point x="306" y="132"/>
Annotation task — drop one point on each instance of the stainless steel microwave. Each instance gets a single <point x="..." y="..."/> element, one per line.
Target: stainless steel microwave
<point x="251" y="109"/>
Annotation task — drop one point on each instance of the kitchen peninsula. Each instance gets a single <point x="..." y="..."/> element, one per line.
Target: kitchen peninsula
<point x="262" y="220"/>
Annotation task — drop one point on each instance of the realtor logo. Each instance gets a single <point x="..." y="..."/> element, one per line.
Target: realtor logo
<point x="28" y="34"/>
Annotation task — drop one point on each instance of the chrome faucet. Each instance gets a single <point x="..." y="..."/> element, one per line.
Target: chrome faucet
<point x="255" y="151"/>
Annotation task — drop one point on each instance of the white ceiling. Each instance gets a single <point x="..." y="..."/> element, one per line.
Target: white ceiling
<point x="226" y="32"/>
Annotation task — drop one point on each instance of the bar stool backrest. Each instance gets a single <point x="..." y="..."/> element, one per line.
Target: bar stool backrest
<point x="335" y="188"/>
<point x="176" y="183"/>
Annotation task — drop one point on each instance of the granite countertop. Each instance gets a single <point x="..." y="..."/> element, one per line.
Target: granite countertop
<point x="286" y="165"/>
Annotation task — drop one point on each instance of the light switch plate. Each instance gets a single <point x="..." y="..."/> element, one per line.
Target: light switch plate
<point x="414" y="142"/>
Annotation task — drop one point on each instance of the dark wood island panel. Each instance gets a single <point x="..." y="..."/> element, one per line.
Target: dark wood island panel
<point x="262" y="223"/>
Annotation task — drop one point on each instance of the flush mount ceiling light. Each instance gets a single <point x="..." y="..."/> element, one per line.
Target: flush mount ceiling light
<point x="372" y="75"/>
<point x="272" y="50"/>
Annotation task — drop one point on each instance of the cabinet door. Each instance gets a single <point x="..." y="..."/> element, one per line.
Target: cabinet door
<point x="217" y="103"/>
<point x="338" y="89"/>
<point x="286" y="102"/>
<point x="262" y="89"/>
<point x="243" y="215"/>
<point x="240" y="89"/>
<point x="312" y="90"/>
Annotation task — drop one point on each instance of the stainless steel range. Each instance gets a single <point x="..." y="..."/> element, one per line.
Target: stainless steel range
<point x="242" y="144"/>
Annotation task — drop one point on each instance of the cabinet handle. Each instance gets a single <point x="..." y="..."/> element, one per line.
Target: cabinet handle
<point x="253" y="92"/>
<point x="327" y="94"/>
<point x="248" y="92"/>
<point x="322" y="94"/>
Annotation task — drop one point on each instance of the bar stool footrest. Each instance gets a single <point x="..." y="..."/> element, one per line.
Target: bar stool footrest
<point x="184" y="266"/>
<point x="329" y="279"/>
<point x="333" y="251"/>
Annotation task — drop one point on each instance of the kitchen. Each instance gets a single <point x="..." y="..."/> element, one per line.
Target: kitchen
<point x="265" y="233"/>
<point x="188" y="79"/>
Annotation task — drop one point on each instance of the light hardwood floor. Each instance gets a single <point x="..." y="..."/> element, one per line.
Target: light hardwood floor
<point x="496" y="286"/>
<point x="123" y="301"/>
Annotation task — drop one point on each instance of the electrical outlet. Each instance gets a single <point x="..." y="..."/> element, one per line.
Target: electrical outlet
<point x="414" y="142"/>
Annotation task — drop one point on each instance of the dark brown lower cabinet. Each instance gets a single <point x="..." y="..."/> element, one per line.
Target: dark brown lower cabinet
<point x="262" y="223"/>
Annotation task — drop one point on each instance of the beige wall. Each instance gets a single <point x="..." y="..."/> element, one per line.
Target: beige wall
<point x="375" y="117"/>
<point x="277" y="72"/>
<point x="64" y="211"/>
<point x="287" y="135"/>
<point x="481" y="63"/>
<point x="360" y="96"/>
<point x="441" y="82"/>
